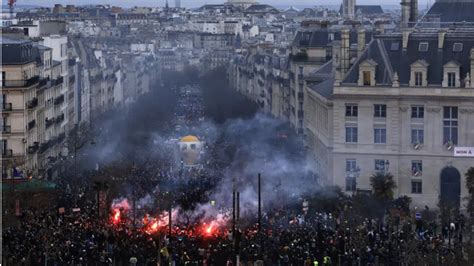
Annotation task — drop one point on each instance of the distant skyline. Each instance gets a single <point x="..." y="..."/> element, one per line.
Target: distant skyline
<point x="196" y="3"/>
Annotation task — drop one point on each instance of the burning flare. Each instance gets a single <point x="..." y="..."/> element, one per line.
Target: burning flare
<point x="116" y="218"/>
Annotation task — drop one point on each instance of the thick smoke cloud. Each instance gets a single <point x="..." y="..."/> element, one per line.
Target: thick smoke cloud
<point x="243" y="141"/>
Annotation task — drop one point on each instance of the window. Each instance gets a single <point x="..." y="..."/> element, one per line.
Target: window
<point x="418" y="79"/>
<point x="417" y="136"/>
<point x="366" y="78"/>
<point x="301" y="69"/>
<point x="423" y="47"/>
<point x="380" y="135"/>
<point x="4" y="146"/>
<point x="351" y="183"/>
<point x="416" y="187"/>
<point x="351" y="165"/>
<point x="457" y="47"/>
<point x="395" y="46"/>
<point x="450" y="124"/>
<point x="193" y="146"/>
<point x="451" y="79"/>
<point x="351" y="134"/>
<point x="381" y="165"/>
<point x="417" y="112"/>
<point x="417" y="167"/>
<point x="380" y="110"/>
<point x="351" y="110"/>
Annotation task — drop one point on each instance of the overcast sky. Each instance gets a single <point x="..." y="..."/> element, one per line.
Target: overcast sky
<point x="194" y="3"/>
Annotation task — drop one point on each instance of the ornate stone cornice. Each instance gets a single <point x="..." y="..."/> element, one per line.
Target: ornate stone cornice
<point x="466" y="111"/>
<point x="433" y="109"/>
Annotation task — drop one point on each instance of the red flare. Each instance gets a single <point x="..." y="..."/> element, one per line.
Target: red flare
<point x="154" y="226"/>
<point x="116" y="216"/>
<point x="210" y="229"/>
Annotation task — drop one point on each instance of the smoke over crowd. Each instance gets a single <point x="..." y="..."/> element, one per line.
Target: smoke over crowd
<point x="135" y="201"/>
<point x="240" y="143"/>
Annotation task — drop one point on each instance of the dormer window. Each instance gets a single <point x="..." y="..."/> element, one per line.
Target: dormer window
<point x="367" y="73"/>
<point x="419" y="73"/>
<point x="423" y="47"/>
<point x="367" y="78"/>
<point x="451" y="75"/>
<point x="451" y="79"/>
<point x="418" y="79"/>
<point x="457" y="47"/>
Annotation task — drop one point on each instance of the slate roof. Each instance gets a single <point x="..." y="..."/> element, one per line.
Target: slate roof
<point x="399" y="60"/>
<point x="12" y="51"/>
<point x="323" y="80"/>
<point x="367" y="9"/>
<point x="458" y="11"/>
<point x="210" y="7"/>
<point x="260" y="8"/>
<point x="321" y="38"/>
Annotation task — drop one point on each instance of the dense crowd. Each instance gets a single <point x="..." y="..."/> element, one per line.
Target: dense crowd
<point x="288" y="235"/>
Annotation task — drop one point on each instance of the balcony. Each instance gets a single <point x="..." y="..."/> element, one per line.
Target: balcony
<point x="59" y="119"/>
<point x="33" y="148"/>
<point x="6" y="129"/>
<point x="20" y="83"/>
<point x="31" y="124"/>
<point x="7" y="107"/>
<point x="43" y="82"/>
<point x="48" y="122"/>
<point x="32" y="103"/>
<point x="59" y="100"/>
<point x="7" y="153"/>
<point x="58" y="81"/>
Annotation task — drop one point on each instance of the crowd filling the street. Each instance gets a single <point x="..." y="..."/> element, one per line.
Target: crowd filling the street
<point x="145" y="209"/>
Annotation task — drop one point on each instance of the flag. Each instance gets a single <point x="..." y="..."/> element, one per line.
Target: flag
<point x="17" y="173"/>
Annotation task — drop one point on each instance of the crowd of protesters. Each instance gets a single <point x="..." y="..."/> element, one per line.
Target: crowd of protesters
<point x="73" y="232"/>
<point x="288" y="236"/>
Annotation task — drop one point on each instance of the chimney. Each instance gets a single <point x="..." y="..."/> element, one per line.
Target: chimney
<point x="336" y="55"/>
<point x="405" y="36"/>
<point x="345" y="48"/>
<point x="472" y="66"/>
<point x="414" y="11"/>
<point x="337" y="79"/>
<point x="405" y="16"/>
<point x="441" y="35"/>
<point x="360" y="41"/>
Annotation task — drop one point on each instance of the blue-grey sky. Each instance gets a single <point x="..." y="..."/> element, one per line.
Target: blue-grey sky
<point x="194" y="3"/>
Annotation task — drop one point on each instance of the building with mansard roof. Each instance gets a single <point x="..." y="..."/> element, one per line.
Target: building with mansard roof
<point x="403" y="106"/>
